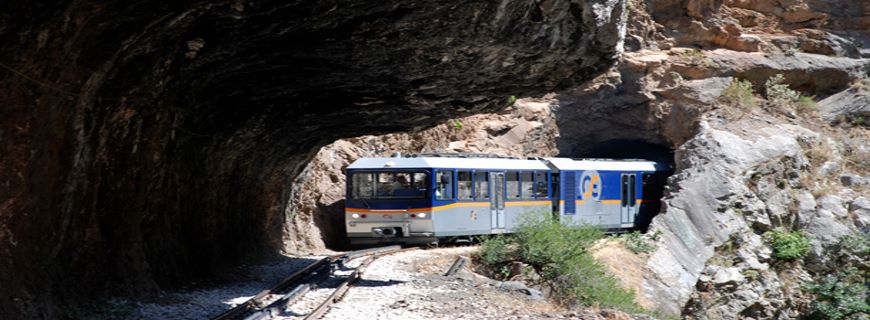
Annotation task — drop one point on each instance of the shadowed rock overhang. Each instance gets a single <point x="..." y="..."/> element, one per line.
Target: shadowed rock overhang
<point x="149" y="142"/>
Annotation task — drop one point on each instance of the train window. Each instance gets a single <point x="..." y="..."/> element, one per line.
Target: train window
<point x="528" y="186"/>
<point x="481" y="185"/>
<point x="624" y="190"/>
<point x="444" y="185"/>
<point x="513" y="184"/>
<point x="464" y="184"/>
<point x="632" y="187"/>
<point x="389" y="185"/>
<point x="541" y="184"/>
<point x="362" y="185"/>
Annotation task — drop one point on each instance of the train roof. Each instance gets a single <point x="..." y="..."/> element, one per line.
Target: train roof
<point x="506" y="163"/>
<point x="448" y="162"/>
<point x="606" y="164"/>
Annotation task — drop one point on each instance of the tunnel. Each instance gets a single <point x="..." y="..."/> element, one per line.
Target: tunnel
<point x="148" y="145"/>
<point x="626" y="149"/>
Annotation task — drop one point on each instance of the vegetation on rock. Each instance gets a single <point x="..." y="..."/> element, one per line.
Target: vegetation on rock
<point x="781" y="95"/>
<point x="739" y="93"/>
<point x="788" y="245"/>
<point x="844" y="294"/>
<point x="638" y="243"/>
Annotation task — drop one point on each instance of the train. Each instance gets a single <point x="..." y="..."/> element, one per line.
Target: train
<point x="426" y="198"/>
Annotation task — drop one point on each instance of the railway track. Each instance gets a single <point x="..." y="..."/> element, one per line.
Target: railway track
<point x="276" y="300"/>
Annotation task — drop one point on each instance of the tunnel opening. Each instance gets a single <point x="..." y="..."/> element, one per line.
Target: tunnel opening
<point x="626" y="149"/>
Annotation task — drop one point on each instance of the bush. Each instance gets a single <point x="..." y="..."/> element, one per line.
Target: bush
<point x="788" y="245"/>
<point x="840" y="296"/>
<point x="560" y="255"/>
<point x="739" y="93"/>
<point x="778" y="91"/>
<point x="780" y="94"/>
<point x="637" y="243"/>
<point x="806" y="105"/>
<point x="843" y="294"/>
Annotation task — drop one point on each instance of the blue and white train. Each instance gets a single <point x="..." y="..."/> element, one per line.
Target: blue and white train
<point x="424" y="198"/>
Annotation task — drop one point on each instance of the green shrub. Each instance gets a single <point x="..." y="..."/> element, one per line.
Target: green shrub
<point x="857" y="120"/>
<point x="739" y="93"/>
<point x="843" y="293"/>
<point x="780" y="94"/>
<point x="806" y="105"/>
<point x="637" y="243"/>
<point x="854" y="244"/>
<point x="560" y="255"/>
<point x="494" y="251"/>
<point x="788" y="245"/>
<point x="778" y="91"/>
<point x="840" y="296"/>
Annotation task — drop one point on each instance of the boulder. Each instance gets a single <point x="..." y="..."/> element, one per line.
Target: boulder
<point x="851" y="105"/>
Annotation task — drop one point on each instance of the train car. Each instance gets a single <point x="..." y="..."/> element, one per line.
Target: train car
<point x="616" y="195"/>
<point x="421" y="199"/>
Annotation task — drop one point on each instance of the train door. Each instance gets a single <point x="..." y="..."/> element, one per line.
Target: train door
<point x="628" y="205"/>
<point x="496" y="203"/>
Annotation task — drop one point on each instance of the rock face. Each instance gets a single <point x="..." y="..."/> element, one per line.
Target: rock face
<point x="741" y="173"/>
<point x="149" y="143"/>
<point x="852" y="105"/>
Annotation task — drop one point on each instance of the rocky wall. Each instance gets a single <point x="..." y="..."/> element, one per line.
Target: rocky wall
<point x="149" y="143"/>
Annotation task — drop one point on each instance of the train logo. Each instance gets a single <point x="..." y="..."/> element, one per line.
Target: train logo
<point x="590" y="185"/>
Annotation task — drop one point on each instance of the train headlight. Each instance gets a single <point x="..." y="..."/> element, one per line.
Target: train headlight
<point x="421" y="215"/>
<point x="355" y="216"/>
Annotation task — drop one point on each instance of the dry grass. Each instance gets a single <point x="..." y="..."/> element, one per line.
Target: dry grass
<point x="625" y="265"/>
<point x="857" y="151"/>
<point x="739" y="94"/>
<point x="819" y="151"/>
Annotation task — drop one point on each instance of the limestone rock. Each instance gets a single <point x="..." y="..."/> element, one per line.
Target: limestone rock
<point x="848" y="106"/>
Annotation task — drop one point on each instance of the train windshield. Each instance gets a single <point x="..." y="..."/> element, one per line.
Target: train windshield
<point x="389" y="185"/>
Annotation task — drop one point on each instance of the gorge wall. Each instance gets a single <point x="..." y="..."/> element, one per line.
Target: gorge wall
<point x="148" y="143"/>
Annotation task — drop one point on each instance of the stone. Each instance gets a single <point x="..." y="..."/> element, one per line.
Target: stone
<point x="727" y="276"/>
<point x="860" y="209"/>
<point x="848" y="105"/>
<point x="829" y="168"/>
<point x="516" y="286"/>
<point x="833" y="204"/>
<point x="850" y="180"/>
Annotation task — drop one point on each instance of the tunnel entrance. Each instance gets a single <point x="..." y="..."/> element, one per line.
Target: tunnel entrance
<point x="626" y="149"/>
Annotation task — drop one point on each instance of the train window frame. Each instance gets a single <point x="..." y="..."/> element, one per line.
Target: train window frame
<point x="485" y="175"/>
<point x="515" y="194"/>
<point x="412" y="178"/>
<point x="531" y="182"/>
<point x="623" y="187"/>
<point x="470" y="186"/>
<point x="354" y="186"/>
<point x="449" y="194"/>
<point x="537" y="185"/>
